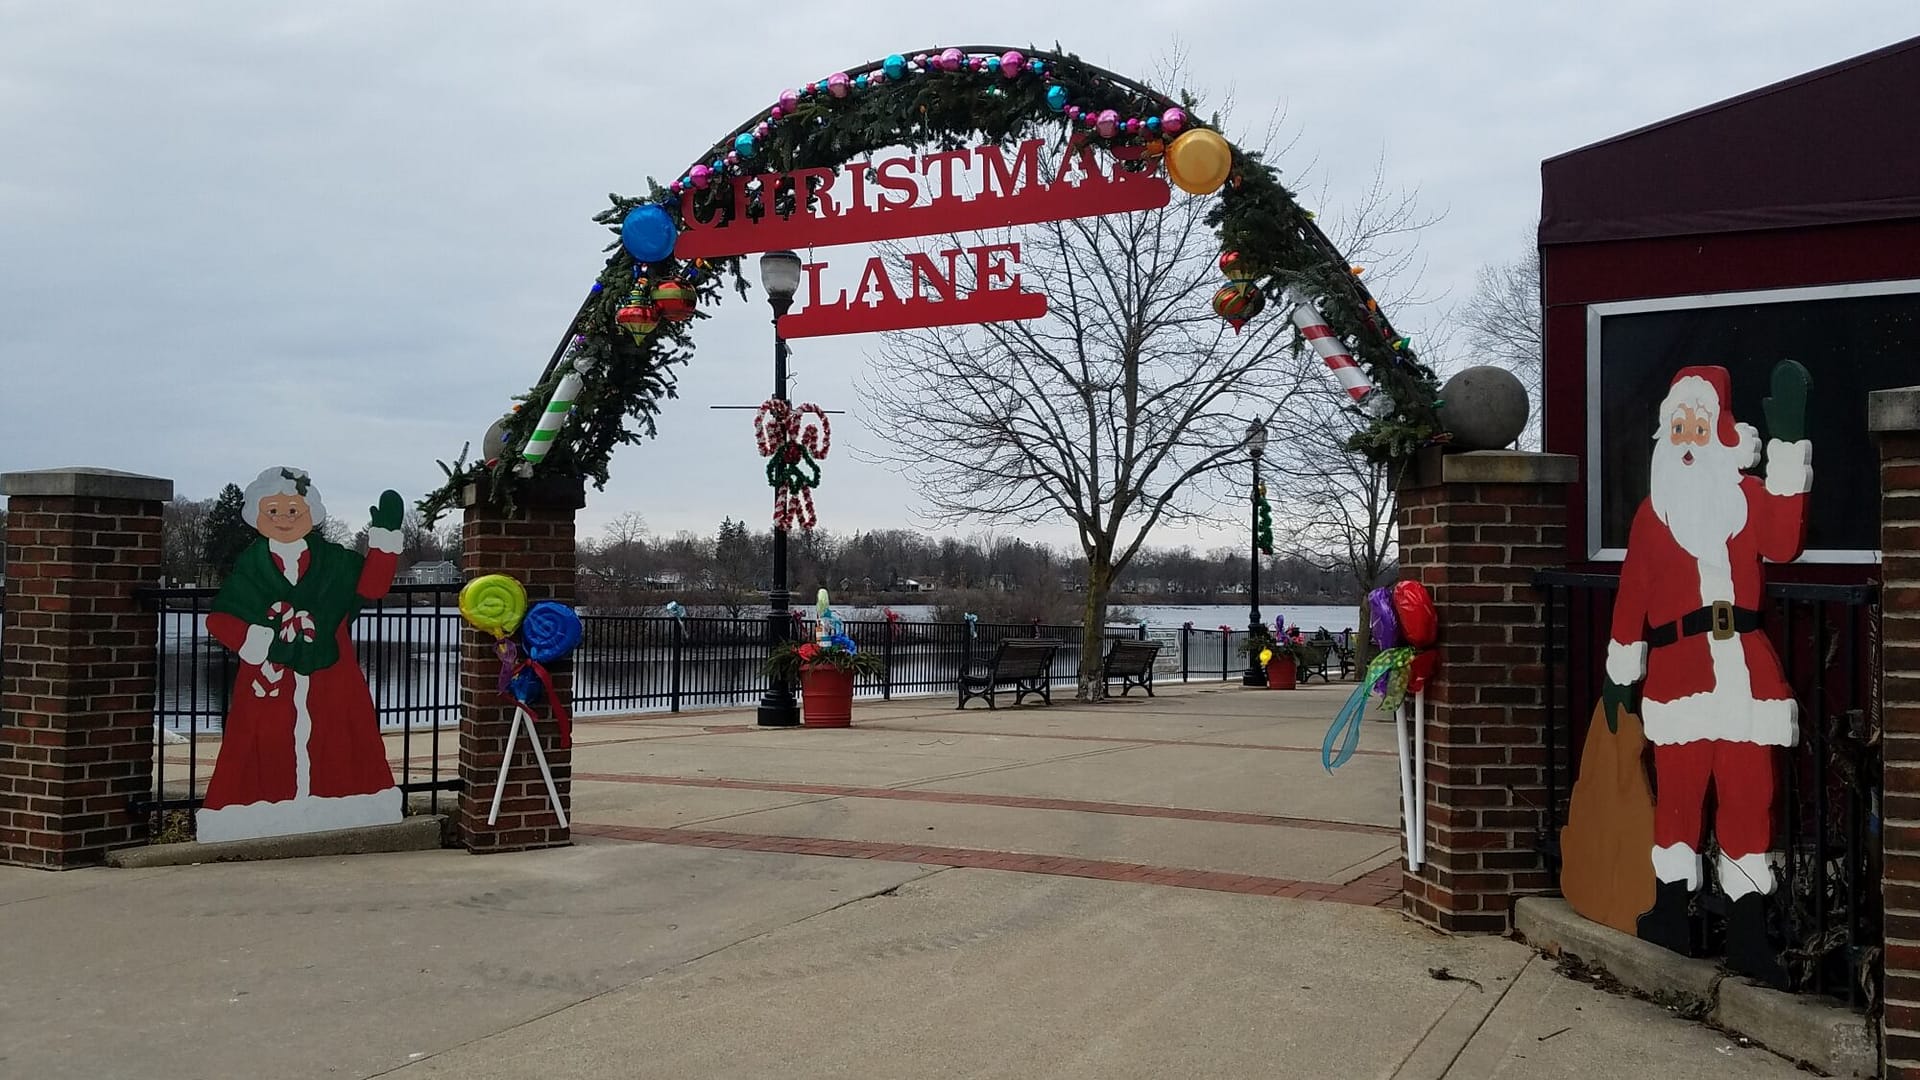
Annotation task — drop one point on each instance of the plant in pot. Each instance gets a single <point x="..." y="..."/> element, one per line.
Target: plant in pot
<point x="1282" y="658"/>
<point x="825" y="669"/>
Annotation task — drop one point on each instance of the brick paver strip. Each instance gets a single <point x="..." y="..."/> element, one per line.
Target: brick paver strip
<point x="1380" y="888"/>
<point x="1021" y="802"/>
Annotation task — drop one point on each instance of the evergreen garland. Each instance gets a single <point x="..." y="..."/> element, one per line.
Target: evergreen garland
<point x="1256" y="216"/>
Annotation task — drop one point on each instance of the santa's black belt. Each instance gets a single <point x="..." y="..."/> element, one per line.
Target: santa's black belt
<point x="1719" y="618"/>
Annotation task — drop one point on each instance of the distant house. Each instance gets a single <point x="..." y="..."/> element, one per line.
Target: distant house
<point x="431" y="573"/>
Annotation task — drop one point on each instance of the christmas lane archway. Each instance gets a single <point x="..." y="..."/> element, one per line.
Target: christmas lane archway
<point x="605" y="381"/>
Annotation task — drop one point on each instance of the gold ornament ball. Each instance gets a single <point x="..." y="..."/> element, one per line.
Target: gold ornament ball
<point x="1199" y="161"/>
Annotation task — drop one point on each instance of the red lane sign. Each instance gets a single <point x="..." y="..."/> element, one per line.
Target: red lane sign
<point x="919" y="196"/>
<point x="933" y="294"/>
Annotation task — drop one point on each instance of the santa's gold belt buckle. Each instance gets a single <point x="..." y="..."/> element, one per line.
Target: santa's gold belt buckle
<point x="1722" y="620"/>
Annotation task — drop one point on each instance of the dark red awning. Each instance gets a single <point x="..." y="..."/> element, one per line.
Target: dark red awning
<point x="1833" y="146"/>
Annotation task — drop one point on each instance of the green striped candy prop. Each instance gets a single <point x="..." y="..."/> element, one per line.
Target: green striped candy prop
<point x="561" y="404"/>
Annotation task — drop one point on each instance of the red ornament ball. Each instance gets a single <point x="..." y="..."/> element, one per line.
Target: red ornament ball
<point x="1238" y="303"/>
<point x="675" y="300"/>
<point x="1237" y="267"/>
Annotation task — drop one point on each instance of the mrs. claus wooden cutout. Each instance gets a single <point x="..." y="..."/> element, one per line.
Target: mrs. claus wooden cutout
<point x="301" y="750"/>
<point x="1687" y="620"/>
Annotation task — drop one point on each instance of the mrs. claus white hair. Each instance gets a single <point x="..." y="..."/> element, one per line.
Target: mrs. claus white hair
<point x="283" y="480"/>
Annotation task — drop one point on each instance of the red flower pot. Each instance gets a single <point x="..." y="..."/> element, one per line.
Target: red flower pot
<point x="1280" y="673"/>
<point x="826" y="697"/>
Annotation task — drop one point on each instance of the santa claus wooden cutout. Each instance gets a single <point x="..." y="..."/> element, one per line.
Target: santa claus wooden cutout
<point x="301" y="751"/>
<point x="1687" y="620"/>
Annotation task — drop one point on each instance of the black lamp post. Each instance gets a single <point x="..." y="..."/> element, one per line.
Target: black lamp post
<point x="780" y="276"/>
<point x="1256" y="446"/>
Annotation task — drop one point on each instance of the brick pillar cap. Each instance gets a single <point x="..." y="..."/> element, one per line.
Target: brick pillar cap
<point x="1491" y="467"/>
<point x="543" y="491"/>
<point x="1894" y="410"/>
<point x="87" y="482"/>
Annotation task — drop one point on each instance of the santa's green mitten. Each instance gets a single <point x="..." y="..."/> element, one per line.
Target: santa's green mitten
<point x="1787" y="406"/>
<point x="389" y="514"/>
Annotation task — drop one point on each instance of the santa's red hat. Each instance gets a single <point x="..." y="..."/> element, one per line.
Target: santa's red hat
<point x="1711" y="386"/>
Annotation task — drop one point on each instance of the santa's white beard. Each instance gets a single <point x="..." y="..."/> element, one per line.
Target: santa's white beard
<point x="1702" y="503"/>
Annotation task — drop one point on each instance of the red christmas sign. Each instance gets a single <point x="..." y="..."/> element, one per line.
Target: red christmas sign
<point x="932" y="296"/>
<point x="849" y="207"/>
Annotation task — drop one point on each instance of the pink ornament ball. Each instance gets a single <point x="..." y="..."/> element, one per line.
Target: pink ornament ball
<point x="1011" y="62"/>
<point x="1173" y="120"/>
<point x="1107" y="123"/>
<point x="1133" y="125"/>
<point x="950" y="59"/>
<point x="675" y="187"/>
<point x="701" y="176"/>
<point x="776" y="112"/>
<point x="760" y="130"/>
<point x="1073" y="112"/>
<point x="733" y="157"/>
<point x="788" y="99"/>
<point x="876" y="78"/>
<point x="838" y="84"/>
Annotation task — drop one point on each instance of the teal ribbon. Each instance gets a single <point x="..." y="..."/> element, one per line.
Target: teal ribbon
<point x="1390" y="666"/>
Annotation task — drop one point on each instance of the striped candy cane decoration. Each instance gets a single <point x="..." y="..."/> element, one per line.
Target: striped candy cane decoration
<point x="1332" y="353"/>
<point x="558" y="406"/>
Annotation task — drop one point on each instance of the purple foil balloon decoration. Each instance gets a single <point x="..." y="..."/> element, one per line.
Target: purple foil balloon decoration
<point x="1279" y="625"/>
<point x="1385" y="625"/>
<point x="1381" y="618"/>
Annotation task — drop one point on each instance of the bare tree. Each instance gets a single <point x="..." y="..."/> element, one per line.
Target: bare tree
<point x="1504" y="316"/>
<point x="1109" y="413"/>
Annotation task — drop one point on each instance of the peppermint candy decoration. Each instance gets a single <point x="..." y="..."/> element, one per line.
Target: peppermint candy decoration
<point x="793" y="439"/>
<point x="294" y="625"/>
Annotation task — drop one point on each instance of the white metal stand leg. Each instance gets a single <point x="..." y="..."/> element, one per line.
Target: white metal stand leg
<point x="539" y="756"/>
<point x="506" y="762"/>
<point x="1407" y="811"/>
<point x="1420" y="777"/>
<point x="546" y="774"/>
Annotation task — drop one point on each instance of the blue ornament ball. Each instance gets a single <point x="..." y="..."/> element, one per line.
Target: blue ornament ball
<point x="859" y="82"/>
<point x="1056" y="97"/>
<point x="743" y="144"/>
<point x="895" y="66"/>
<point x="1153" y="123"/>
<point x="648" y="233"/>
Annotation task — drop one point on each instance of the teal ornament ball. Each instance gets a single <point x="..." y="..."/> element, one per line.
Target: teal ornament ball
<point x="648" y="233"/>
<point x="895" y="66"/>
<point x="743" y="144"/>
<point x="1056" y="97"/>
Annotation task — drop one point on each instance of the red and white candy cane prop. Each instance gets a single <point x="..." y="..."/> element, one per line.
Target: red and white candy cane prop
<point x="793" y="439"/>
<point x="1332" y="353"/>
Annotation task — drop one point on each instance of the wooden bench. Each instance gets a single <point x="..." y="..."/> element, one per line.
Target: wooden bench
<point x="1132" y="663"/>
<point x="1027" y="663"/>
<point x="1332" y="653"/>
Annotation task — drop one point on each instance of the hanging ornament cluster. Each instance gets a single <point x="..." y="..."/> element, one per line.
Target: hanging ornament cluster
<point x="1262" y="520"/>
<point x="794" y="440"/>
<point x="1239" y="301"/>
<point x="1198" y="160"/>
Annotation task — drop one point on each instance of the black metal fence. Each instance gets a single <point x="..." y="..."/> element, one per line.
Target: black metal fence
<point x="1827" y="638"/>
<point x="408" y="644"/>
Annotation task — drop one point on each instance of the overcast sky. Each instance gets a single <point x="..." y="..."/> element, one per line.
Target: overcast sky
<point x="341" y="235"/>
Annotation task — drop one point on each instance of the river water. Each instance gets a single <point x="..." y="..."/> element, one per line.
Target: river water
<point x="410" y="656"/>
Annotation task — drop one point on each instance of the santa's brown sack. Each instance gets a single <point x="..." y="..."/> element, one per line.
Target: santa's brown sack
<point x="1606" y="861"/>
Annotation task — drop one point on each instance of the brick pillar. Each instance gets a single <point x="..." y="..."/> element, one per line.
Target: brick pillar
<point x="76" y="678"/>
<point x="1473" y="528"/>
<point x="1894" y="418"/>
<point x="534" y="545"/>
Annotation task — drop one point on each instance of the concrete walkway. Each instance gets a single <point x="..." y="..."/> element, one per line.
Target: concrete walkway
<point x="1164" y="889"/>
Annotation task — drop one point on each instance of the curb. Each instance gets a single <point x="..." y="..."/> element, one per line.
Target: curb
<point x="412" y="834"/>
<point x="1838" y="1041"/>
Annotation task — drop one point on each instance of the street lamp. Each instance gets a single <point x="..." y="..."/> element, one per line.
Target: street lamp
<point x="1256" y="446"/>
<point x="780" y="276"/>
